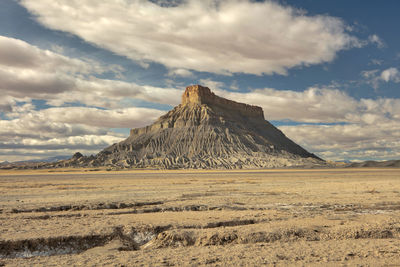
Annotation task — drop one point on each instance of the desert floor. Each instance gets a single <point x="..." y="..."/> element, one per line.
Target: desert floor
<point x="326" y="217"/>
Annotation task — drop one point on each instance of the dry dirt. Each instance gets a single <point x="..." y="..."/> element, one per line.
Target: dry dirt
<point x="326" y="217"/>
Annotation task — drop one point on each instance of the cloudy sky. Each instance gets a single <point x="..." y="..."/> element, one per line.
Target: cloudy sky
<point x="76" y="75"/>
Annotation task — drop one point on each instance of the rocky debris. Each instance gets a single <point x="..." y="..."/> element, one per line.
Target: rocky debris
<point x="77" y="156"/>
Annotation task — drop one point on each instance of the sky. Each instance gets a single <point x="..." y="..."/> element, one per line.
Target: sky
<point x="76" y="75"/>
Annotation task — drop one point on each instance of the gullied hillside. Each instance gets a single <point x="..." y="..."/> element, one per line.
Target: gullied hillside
<point x="204" y="131"/>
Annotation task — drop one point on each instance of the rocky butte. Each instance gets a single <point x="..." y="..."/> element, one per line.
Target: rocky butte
<point x="205" y="131"/>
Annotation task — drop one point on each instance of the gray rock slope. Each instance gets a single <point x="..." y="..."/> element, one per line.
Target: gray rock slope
<point x="205" y="131"/>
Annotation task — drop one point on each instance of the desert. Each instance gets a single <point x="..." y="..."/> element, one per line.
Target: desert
<point x="298" y="217"/>
<point x="199" y="133"/>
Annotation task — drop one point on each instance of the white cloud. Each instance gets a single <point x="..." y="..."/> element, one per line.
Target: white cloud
<point x="16" y="54"/>
<point x="27" y="71"/>
<point x="391" y="74"/>
<point x="72" y="121"/>
<point x="109" y="93"/>
<point x="318" y="105"/>
<point x="180" y="72"/>
<point x="213" y="85"/>
<point x="225" y="36"/>
<point x="375" y="39"/>
<point x="6" y="103"/>
<point x="31" y="126"/>
<point x="349" y="142"/>
<point x="66" y="129"/>
<point x="32" y="148"/>
<point x="311" y="105"/>
<point x="374" y="78"/>
<point x="65" y="143"/>
<point x="116" y="118"/>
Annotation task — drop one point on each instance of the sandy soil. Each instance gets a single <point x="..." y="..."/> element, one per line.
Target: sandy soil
<point x="327" y="217"/>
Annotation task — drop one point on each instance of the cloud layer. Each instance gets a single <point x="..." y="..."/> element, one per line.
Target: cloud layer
<point x="329" y="121"/>
<point x="29" y="73"/>
<point x="225" y="36"/>
<point x="349" y="142"/>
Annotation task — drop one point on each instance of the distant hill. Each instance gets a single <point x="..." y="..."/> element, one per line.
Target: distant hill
<point x="376" y="164"/>
<point x="33" y="162"/>
<point x="50" y="159"/>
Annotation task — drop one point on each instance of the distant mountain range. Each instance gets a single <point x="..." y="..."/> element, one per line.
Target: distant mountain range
<point x="50" y="159"/>
<point x="376" y="164"/>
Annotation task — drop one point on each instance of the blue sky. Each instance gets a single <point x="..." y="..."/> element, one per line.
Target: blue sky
<point x="76" y="75"/>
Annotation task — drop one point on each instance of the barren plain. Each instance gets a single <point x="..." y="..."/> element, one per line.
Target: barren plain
<point x="327" y="217"/>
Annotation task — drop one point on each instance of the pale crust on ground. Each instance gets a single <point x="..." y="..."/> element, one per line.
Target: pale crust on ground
<point x="82" y="217"/>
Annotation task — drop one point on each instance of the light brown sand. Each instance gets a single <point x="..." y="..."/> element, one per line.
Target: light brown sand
<point x="193" y="218"/>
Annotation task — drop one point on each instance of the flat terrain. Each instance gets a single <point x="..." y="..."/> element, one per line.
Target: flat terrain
<point x="326" y="217"/>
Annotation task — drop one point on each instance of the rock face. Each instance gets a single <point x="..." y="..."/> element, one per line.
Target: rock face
<point x="206" y="131"/>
